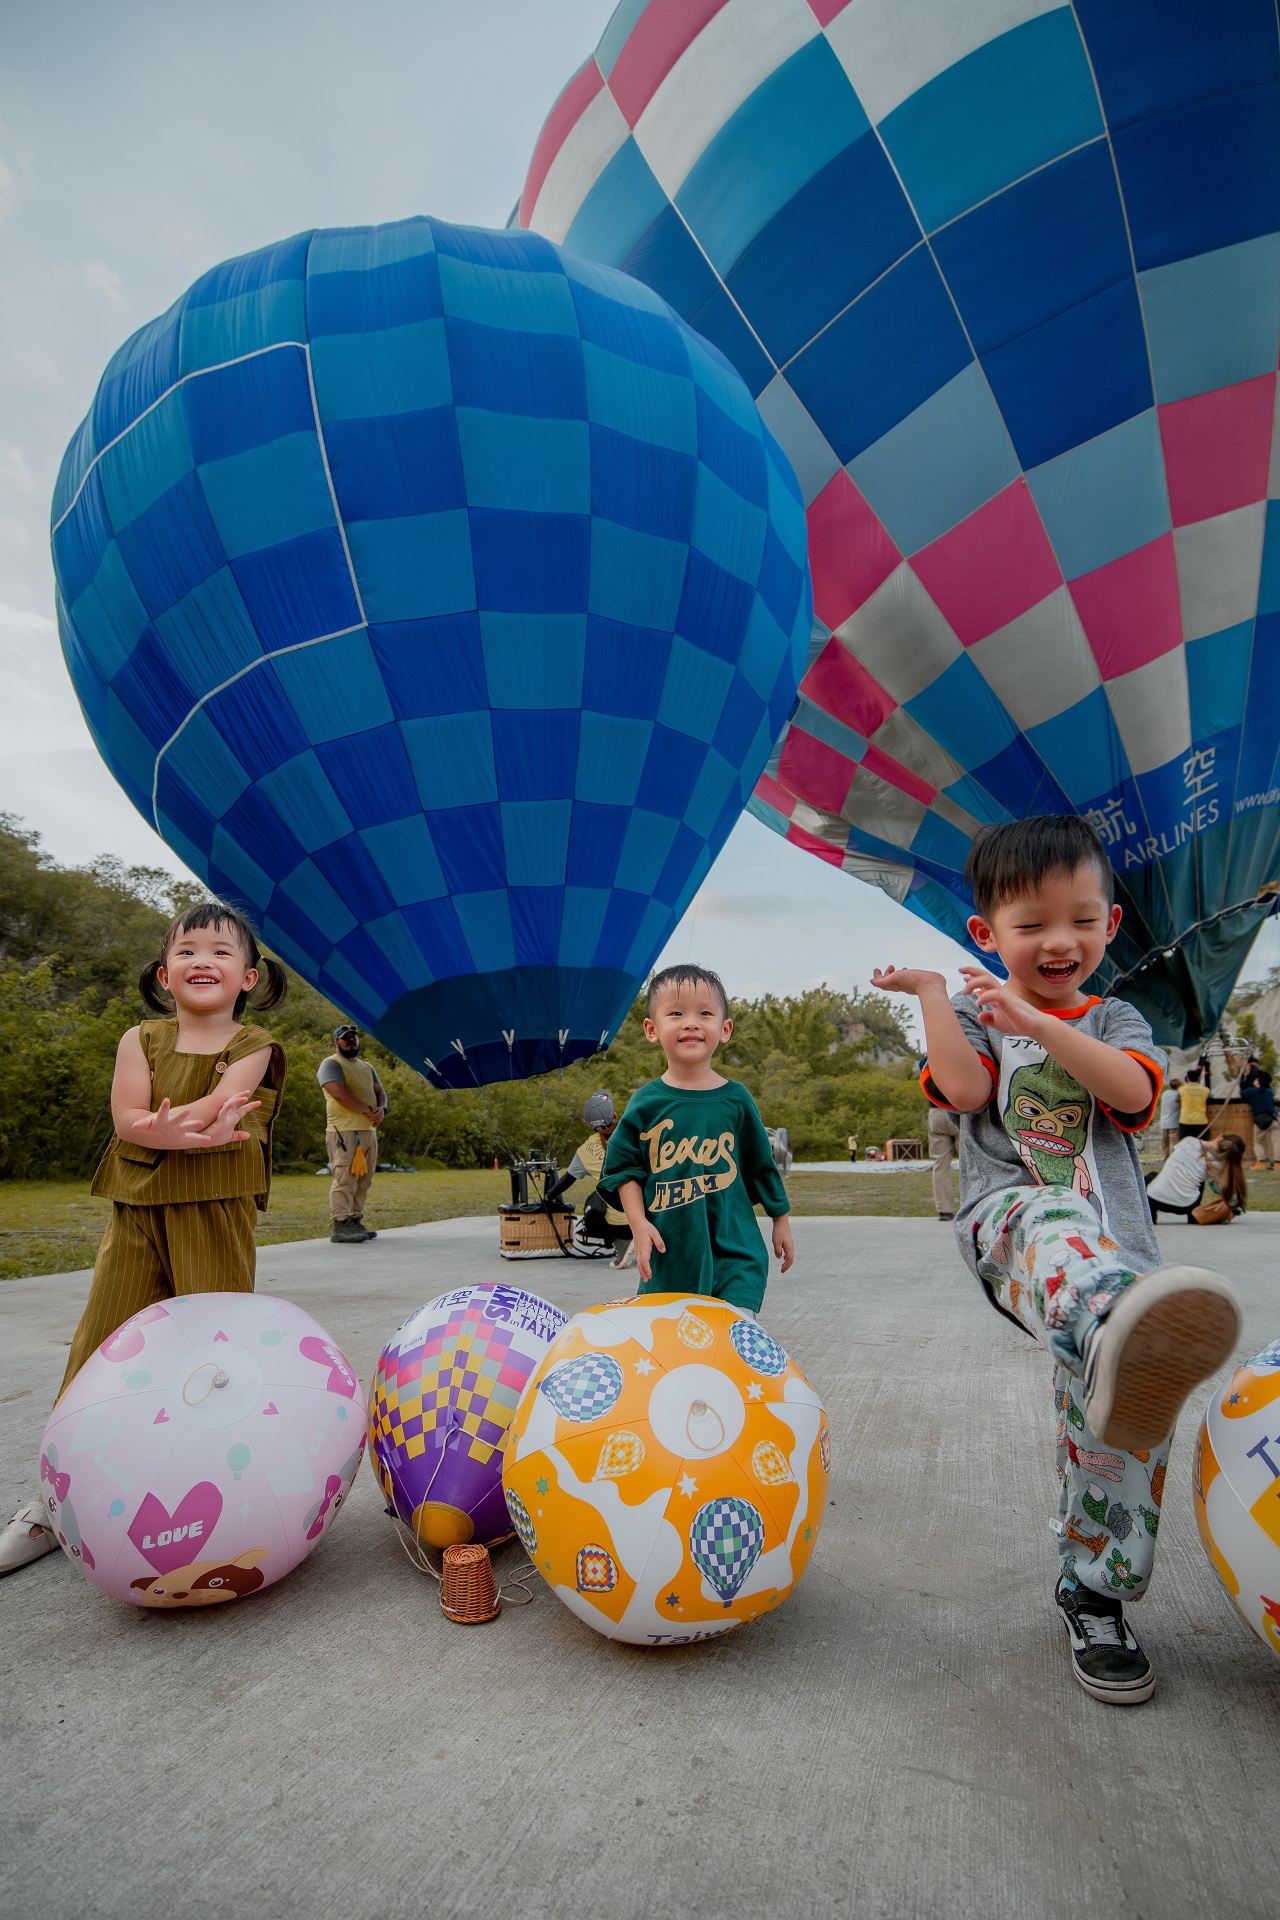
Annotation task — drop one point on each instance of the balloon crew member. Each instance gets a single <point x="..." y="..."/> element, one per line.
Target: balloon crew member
<point x="1193" y="1104"/>
<point x="588" y="1164"/>
<point x="690" y="1158"/>
<point x="1202" y="1182"/>
<point x="188" y="1168"/>
<point x="1259" y="1096"/>
<point x="1170" y="1116"/>
<point x="944" y="1138"/>
<point x="1051" y="1086"/>
<point x="355" y="1106"/>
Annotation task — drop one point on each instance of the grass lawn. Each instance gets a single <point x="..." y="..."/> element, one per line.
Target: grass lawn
<point x="912" y="1193"/>
<point x="898" y="1194"/>
<point x="54" y="1226"/>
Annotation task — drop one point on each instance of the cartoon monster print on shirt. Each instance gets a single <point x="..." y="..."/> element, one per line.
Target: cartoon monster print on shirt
<point x="1050" y="1118"/>
<point x="1047" y="1115"/>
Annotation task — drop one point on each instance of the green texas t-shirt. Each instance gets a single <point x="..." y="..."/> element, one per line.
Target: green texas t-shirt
<point x="704" y="1160"/>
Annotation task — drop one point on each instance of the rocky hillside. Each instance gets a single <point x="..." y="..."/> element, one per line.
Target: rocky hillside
<point x="1266" y="1011"/>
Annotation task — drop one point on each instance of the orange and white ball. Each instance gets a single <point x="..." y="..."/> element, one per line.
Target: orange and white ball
<point x="1236" y="1479"/>
<point x="667" y="1469"/>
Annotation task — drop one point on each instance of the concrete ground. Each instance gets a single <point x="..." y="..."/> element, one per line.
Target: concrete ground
<point x="903" y="1738"/>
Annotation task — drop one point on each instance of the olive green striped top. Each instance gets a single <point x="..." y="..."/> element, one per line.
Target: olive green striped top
<point x="158" y="1177"/>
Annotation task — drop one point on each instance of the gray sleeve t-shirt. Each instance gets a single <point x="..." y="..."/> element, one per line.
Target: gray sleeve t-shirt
<point x="1042" y="1127"/>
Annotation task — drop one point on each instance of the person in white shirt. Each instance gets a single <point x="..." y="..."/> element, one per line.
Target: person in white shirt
<point x="1196" y="1170"/>
<point x="1170" y="1115"/>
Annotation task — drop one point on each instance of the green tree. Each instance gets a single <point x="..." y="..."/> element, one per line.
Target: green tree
<point x="97" y="926"/>
<point x="1251" y="1037"/>
<point x="56" y="1058"/>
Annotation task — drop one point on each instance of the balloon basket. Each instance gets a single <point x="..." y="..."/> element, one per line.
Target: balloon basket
<point x="468" y="1593"/>
<point x="529" y="1233"/>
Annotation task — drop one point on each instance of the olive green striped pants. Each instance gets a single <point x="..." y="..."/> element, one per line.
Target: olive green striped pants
<point x="152" y="1253"/>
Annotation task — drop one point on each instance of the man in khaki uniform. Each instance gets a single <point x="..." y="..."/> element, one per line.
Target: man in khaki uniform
<point x="355" y="1107"/>
<point x="944" y="1138"/>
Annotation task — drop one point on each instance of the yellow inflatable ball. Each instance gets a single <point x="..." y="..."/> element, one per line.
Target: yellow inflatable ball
<point x="1236" y="1477"/>
<point x="667" y="1469"/>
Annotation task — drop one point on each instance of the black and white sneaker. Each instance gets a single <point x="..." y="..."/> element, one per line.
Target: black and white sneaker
<point x="1105" y="1657"/>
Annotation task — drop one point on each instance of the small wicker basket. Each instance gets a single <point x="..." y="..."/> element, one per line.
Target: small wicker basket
<point x="467" y="1592"/>
<point x="523" y="1231"/>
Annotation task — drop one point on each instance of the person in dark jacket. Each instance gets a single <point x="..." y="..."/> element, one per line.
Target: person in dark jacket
<point x="1259" y="1096"/>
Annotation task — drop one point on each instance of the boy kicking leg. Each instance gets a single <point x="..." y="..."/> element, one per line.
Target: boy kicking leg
<point x="1050" y="1084"/>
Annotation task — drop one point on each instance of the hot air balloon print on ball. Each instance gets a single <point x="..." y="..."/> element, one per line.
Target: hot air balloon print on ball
<point x="1004" y="279"/>
<point x="439" y="597"/>
<point x="667" y="1469"/>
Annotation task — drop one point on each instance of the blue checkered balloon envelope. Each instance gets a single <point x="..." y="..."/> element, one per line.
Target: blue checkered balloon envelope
<point x="725" y="1541"/>
<point x="759" y="1349"/>
<point x="584" y="1389"/>
<point x="439" y="596"/>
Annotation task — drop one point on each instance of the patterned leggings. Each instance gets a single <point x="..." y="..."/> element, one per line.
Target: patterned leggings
<point x="1043" y="1254"/>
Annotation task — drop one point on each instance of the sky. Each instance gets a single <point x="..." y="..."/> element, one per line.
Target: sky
<point x="141" y="143"/>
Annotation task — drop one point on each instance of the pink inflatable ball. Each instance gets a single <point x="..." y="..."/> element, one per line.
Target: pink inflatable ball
<point x="203" y="1450"/>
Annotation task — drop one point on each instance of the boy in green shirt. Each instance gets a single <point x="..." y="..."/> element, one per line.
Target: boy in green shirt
<point x="691" y="1151"/>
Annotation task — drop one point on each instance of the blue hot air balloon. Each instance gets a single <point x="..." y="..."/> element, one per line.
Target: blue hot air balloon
<point x="725" y="1538"/>
<point x="439" y="597"/>
<point x="1004" y="277"/>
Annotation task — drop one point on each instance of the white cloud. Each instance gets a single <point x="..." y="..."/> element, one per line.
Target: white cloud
<point x="8" y="191"/>
<point x="720" y="907"/>
<point x="24" y="620"/>
<point x="100" y="278"/>
<point x="14" y="471"/>
<point x="78" y="810"/>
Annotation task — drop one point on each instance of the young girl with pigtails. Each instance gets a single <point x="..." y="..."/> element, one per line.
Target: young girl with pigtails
<point x="188" y="1166"/>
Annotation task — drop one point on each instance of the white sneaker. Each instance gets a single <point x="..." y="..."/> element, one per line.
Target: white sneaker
<point x="1165" y="1334"/>
<point x="27" y="1536"/>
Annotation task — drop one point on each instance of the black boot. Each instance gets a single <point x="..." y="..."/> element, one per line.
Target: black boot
<point x="370" y="1233"/>
<point x="348" y="1233"/>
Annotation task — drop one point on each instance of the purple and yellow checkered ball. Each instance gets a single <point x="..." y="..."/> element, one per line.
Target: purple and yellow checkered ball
<point x="443" y="1395"/>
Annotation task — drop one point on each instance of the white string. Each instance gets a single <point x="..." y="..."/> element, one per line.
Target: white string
<point x="517" y="1592"/>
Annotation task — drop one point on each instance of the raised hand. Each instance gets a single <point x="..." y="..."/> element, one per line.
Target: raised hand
<point x="1001" y="1006"/>
<point x="976" y="978"/>
<point x="915" y="980"/>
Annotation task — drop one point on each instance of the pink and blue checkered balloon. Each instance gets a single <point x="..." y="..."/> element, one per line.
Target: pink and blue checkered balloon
<point x="439" y="596"/>
<point x="1004" y="278"/>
